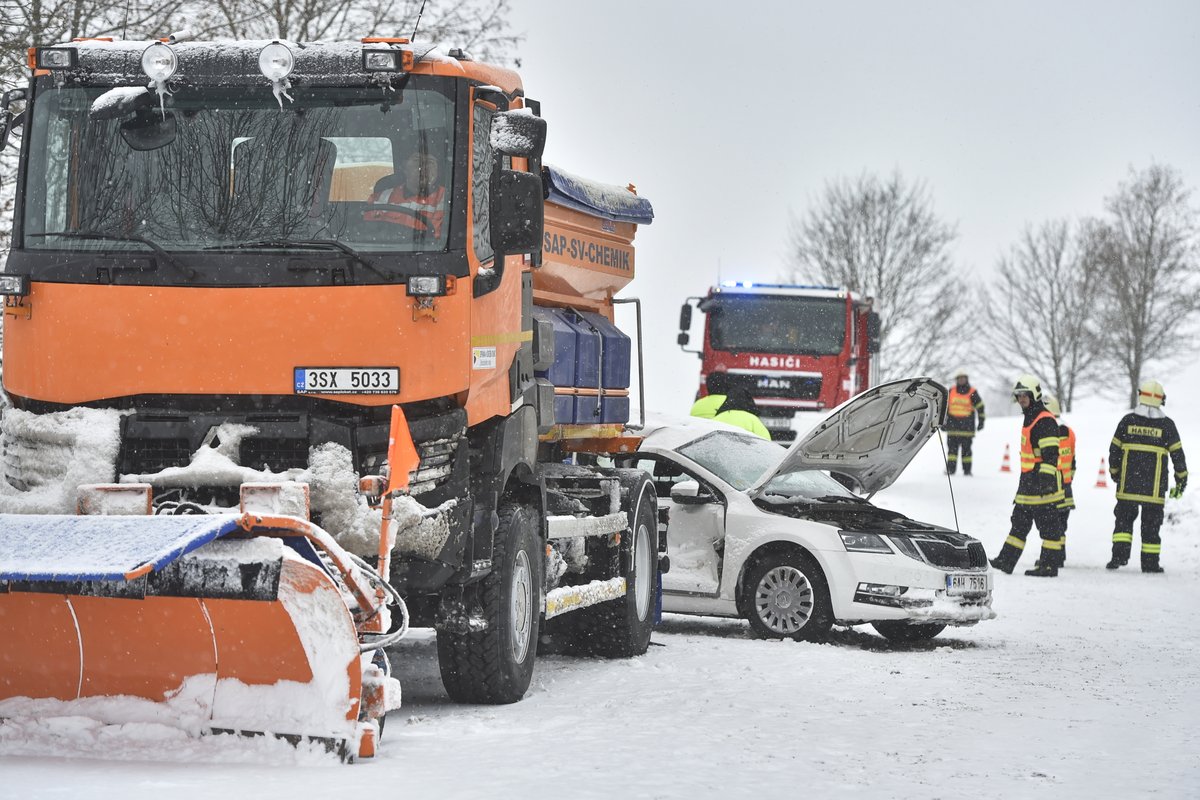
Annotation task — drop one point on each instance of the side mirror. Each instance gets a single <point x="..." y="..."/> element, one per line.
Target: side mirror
<point x="682" y="339"/>
<point x="518" y="133"/>
<point x="517" y="213"/>
<point x="873" y="327"/>
<point x="685" y="317"/>
<point x="149" y="131"/>
<point x="10" y="121"/>
<point x="687" y="493"/>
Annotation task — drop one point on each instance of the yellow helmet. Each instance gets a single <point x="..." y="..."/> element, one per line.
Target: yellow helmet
<point x="1051" y="403"/>
<point x="1028" y="384"/>
<point x="1151" y="393"/>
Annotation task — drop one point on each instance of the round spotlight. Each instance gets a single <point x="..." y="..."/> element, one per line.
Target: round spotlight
<point x="159" y="62"/>
<point x="275" y="61"/>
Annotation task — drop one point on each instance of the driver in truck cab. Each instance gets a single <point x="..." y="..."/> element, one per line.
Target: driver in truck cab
<point x="413" y="196"/>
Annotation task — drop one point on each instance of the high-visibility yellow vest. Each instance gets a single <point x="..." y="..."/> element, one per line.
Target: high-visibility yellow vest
<point x="960" y="404"/>
<point x="1031" y="456"/>
<point x="1066" y="456"/>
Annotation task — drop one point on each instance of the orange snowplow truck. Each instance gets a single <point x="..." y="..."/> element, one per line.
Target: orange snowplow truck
<point x="291" y="332"/>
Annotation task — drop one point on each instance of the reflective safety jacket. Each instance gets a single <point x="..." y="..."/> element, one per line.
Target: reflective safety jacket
<point x="422" y="212"/>
<point x="961" y="410"/>
<point x="1138" y="455"/>
<point x="1066" y="454"/>
<point x="1041" y="482"/>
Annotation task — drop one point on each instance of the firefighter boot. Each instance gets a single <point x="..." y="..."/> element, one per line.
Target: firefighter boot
<point x="1043" y="571"/>
<point x="1150" y="563"/>
<point x="1006" y="560"/>
<point x="1122" y="543"/>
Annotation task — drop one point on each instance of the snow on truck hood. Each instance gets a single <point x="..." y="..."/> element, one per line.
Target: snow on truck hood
<point x="870" y="438"/>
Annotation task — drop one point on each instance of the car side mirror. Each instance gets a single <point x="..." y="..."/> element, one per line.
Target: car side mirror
<point x="688" y="493"/>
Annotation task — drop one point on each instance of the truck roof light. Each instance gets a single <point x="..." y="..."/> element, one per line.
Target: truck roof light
<point x="379" y="60"/>
<point x="14" y="285"/>
<point x="57" y="58"/>
<point x="275" y="61"/>
<point x="159" y="62"/>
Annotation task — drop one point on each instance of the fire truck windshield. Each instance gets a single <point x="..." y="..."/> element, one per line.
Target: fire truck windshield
<point x="788" y="325"/>
<point x="223" y="168"/>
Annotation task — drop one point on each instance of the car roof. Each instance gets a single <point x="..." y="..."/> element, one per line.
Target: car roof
<point x="672" y="431"/>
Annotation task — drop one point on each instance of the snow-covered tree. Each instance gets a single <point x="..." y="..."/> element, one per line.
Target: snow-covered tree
<point x="882" y="238"/>
<point x="1040" y="310"/>
<point x="1150" y="255"/>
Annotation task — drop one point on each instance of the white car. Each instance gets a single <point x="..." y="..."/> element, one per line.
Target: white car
<point x="771" y="536"/>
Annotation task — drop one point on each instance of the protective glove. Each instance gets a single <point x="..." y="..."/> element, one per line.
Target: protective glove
<point x="979" y="427"/>
<point x="1180" y="485"/>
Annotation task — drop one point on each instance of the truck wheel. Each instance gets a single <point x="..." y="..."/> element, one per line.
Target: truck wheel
<point x="621" y="628"/>
<point x="495" y="665"/>
<point x="895" y="631"/>
<point x="787" y="597"/>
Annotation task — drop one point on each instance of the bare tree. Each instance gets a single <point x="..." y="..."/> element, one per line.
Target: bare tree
<point x="881" y="238"/>
<point x="1040" y="311"/>
<point x="1151" y="261"/>
<point x="477" y="26"/>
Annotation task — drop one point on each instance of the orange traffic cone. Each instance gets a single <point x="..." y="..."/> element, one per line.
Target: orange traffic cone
<point x="1006" y="465"/>
<point x="1102" y="480"/>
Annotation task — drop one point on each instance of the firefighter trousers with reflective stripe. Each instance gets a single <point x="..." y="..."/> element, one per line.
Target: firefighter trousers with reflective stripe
<point x="1126" y="512"/>
<point x="1051" y="527"/>
<point x="953" y="445"/>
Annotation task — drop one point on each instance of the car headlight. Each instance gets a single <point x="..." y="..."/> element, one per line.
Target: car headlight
<point x="864" y="543"/>
<point x="905" y="545"/>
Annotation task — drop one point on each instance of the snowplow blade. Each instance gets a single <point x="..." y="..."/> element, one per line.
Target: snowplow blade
<point x="205" y="623"/>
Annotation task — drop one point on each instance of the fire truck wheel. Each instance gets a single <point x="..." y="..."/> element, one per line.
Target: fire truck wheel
<point x="495" y="665"/>
<point x="621" y="628"/>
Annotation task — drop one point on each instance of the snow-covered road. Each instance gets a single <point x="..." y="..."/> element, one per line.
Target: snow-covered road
<point x="1087" y="685"/>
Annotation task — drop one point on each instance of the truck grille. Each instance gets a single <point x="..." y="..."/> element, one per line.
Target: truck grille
<point x="437" y="463"/>
<point x="790" y="387"/>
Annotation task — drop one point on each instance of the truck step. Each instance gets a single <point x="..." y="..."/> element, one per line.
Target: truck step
<point x="571" y="598"/>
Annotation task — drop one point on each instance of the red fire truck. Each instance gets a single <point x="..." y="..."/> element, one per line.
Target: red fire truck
<point x="791" y="348"/>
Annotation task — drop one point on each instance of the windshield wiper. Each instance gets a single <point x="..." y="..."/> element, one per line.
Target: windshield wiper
<point x="843" y="498"/>
<point x="158" y="249"/>
<point x="317" y="243"/>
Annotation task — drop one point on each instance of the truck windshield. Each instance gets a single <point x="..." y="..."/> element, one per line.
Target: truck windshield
<point x="786" y="325"/>
<point x="228" y="168"/>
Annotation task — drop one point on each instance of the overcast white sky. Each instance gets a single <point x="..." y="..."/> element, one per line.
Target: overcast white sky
<point x="730" y="118"/>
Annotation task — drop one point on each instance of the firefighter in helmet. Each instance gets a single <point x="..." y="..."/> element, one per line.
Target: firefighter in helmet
<point x="1040" y="491"/>
<point x="1137" y="457"/>
<point x="1066" y="466"/>
<point x="964" y="408"/>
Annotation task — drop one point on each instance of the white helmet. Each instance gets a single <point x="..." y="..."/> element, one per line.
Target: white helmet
<point x="1028" y="384"/>
<point x="1151" y="393"/>
<point x="1051" y="403"/>
<point x="961" y="372"/>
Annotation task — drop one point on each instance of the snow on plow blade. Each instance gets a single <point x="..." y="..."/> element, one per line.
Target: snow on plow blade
<point x="204" y="623"/>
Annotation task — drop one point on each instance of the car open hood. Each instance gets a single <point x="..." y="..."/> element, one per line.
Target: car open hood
<point x="870" y="438"/>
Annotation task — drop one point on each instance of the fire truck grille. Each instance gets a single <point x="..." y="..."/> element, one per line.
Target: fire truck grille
<point x="790" y="387"/>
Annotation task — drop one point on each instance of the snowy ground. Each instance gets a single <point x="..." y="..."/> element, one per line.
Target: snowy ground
<point x="1087" y="685"/>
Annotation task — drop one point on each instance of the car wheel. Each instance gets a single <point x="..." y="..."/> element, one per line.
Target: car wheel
<point x="787" y="597"/>
<point x="899" y="631"/>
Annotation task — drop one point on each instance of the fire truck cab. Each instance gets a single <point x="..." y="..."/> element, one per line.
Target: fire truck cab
<point x="791" y="348"/>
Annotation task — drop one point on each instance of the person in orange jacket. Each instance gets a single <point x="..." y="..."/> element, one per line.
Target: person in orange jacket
<point x="964" y="416"/>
